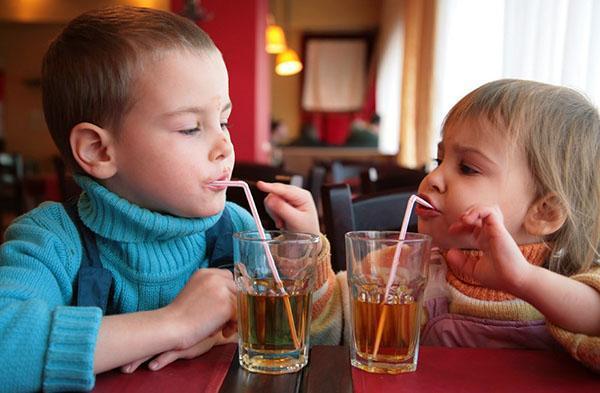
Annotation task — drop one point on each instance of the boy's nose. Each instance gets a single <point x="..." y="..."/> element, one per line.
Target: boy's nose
<point x="222" y="148"/>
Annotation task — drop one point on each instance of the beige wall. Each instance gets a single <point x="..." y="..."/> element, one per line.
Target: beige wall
<point x="320" y="16"/>
<point x="60" y="11"/>
<point x="26" y="28"/>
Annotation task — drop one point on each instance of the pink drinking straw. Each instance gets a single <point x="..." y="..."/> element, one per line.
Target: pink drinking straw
<point x="395" y="261"/>
<point x="270" y="260"/>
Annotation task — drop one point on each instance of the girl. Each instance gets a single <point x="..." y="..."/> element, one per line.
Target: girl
<point x="516" y="201"/>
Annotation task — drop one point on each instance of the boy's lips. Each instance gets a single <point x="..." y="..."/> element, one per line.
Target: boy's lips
<point x="218" y="187"/>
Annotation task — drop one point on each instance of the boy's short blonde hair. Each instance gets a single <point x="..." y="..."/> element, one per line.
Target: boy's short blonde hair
<point x="89" y="70"/>
<point x="559" y="129"/>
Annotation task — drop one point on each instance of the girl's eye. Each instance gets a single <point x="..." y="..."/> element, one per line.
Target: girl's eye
<point x="225" y="126"/>
<point x="437" y="162"/>
<point x="467" y="170"/>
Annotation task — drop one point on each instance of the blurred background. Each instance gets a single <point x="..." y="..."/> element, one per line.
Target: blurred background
<point x="315" y="82"/>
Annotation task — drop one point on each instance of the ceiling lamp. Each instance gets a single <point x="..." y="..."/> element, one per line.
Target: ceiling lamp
<point x="274" y="37"/>
<point x="287" y="63"/>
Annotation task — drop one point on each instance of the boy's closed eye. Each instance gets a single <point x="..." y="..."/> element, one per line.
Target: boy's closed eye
<point x="191" y="131"/>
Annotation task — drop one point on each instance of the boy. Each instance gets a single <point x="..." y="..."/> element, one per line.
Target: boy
<point x="137" y="102"/>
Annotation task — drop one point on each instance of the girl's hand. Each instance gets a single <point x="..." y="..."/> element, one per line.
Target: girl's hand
<point x="196" y="350"/>
<point x="291" y="207"/>
<point x="503" y="266"/>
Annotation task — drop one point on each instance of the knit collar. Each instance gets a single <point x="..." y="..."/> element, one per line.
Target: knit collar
<point x="535" y="253"/>
<point x="115" y="218"/>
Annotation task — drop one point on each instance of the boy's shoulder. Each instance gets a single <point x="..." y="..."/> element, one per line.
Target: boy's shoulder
<point x="49" y="219"/>
<point x="47" y="235"/>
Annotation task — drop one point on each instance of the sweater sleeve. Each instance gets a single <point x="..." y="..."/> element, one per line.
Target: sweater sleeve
<point x="326" y="325"/>
<point x="55" y="343"/>
<point x="585" y="349"/>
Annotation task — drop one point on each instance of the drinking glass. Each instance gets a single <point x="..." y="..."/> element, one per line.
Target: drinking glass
<point x="385" y="331"/>
<point x="273" y="318"/>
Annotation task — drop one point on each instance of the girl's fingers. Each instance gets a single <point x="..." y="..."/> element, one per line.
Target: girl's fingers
<point x="459" y="227"/>
<point x="279" y="207"/>
<point x="291" y="194"/>
<point x="459" y="263"/>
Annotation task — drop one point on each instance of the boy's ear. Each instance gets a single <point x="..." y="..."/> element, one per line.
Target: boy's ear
<point x="545" y="216"/>
<point x="92" y="149"/>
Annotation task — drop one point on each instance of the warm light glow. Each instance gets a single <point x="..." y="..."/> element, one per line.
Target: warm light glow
<point x="274" y="39"/>
<point x="287" y="63"/>
<point x="160" y="4"/>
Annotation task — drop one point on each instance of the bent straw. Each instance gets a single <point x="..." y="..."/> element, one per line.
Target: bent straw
<point x="395" y="260"/>
<point x="270" y="260"/>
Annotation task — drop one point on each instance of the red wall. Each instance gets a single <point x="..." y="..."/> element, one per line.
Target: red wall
<point x="237" y="28"/>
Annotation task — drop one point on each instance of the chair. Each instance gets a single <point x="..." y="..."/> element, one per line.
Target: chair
<point x="12" y="190"/>
<point x="382" y="178"/>
<point x="346" y="170"/>
<point x="11" y="180"/>
<point x="342" y="214"/>
<point x="316" y="179"/>
<point x="253" y="172"/>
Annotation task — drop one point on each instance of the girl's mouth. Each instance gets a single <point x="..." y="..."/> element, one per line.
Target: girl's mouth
<point x="425" y="212"/>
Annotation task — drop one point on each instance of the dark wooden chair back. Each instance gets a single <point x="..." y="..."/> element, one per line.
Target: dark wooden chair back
<point x="316" y="178"/>
<point x="382" y="178"/>
<point x="342" y="171"/>
<point x="342" y="214"/>
<point x="253" y="172"/>
<point x="12" y="189"/>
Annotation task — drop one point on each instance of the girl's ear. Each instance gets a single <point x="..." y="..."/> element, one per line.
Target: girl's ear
<point x="545" y="216"/>
<point x="92" y="149"/>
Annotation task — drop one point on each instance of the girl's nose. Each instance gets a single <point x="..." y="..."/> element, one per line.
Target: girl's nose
<point x="434" y="181"/>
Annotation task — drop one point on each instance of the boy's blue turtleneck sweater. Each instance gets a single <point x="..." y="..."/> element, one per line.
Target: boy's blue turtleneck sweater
<point x="47" y="343"/>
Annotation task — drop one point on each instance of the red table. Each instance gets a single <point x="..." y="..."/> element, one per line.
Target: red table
<point x="485" y="370"/>
<point x="440" y="370"/>
<point x="203" y="374"/>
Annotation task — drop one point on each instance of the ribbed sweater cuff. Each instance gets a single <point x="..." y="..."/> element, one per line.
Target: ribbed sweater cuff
<point x="70" y="358"/>
<point x="323" y="267"/>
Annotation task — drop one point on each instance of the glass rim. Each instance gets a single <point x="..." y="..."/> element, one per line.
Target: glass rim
<point x="308" y="238"/>
<point x="388" y="236"/>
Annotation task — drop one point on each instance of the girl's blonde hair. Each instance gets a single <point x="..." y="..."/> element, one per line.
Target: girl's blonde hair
<point x="560" y="131"/>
